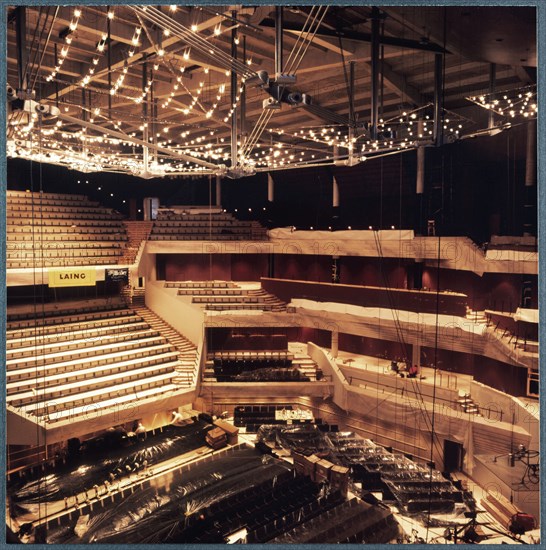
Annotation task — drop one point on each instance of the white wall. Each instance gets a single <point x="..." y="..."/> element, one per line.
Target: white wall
<point x="185" y="318"/>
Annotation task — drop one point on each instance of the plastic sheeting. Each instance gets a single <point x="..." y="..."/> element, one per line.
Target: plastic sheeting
<point x="279" y="374"/>
<point x="99" y="459"/>
<point x="298" y="438"/>
<point x="412" y="484"/>
<point x="168" y="510"/>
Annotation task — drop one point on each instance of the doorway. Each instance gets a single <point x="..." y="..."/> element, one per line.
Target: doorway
<point x="453" y="456"/>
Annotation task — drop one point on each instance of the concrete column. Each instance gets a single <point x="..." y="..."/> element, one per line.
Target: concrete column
<point x="529" y="205"/>
<point x="335" y="193"/>
<point x="420" y="183"/>
<point x="416" y="355"/>
<point x="270" y="188"/>
<point x="335" y="343"/>
<point x="218" y="191"/>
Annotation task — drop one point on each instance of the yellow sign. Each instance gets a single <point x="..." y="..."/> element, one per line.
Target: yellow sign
<point x="72" y="277"/>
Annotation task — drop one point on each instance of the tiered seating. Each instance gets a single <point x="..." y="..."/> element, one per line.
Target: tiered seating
<point x="251" y="366"/>
<point x="296" y="500"/>
<point x="353" y="521"/>
<point x="218" y="226"/>
<point x="57" y="230"/>
<point x="67" y="364"/>
<point x="227" y="296"/>
<point x="416" y="487"/>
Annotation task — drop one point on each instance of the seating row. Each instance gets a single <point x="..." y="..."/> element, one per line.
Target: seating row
<point x="38" y="210"/>
<point x="40" y="194"/>
<point x="166" y="216"/>
<point x="231" y="224"/>
<point x="212" y="237"/>
<point x="37" y="230"/>
<point x="260" y="307"/>
<point x="200" y="284"/>
<point x="114" y="240"/>
<point x="65" y="316"/>
<point x="210" y="292"/>
<point x="65" y="222"/>
<point x="250" y="355"/>
<point x="55" y="252"/>
<point x="40" y="201"/>
<point x="92" y="334"/>
<point x="61" y="262"/>
<point x="30" y="217"/>
<point x="62" y="245"/>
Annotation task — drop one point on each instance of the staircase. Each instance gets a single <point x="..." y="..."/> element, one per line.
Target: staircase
<point x="305" y="365"/>
<point x="136" y="233"/>
<point x="268" y="299"/>
<point x="187" y="352"/>
<point x="477" y="317"/>
<point x="258" y="231"/>
<point x="467" y="403"/>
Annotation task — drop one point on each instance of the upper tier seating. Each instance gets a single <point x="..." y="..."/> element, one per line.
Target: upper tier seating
<point x="264" y="366"/>
<point x="56" y="230"/>
<point x="217" y="226"/>
<point x="227" y="296"/>
<point x="70" y="363"/>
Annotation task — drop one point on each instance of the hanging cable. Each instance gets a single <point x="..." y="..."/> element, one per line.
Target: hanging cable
<point x="309" y="40"/>
<point x="44" y="48"/>
<point x="193" y="39"/>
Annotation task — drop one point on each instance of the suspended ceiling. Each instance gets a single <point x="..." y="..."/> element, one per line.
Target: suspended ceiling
<point x="157" y="91"/>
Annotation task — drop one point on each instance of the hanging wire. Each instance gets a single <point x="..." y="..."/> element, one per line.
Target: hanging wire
<point x="438" y="265"/>
<point x="37" y="71"/>
<point x="210" y="51"/>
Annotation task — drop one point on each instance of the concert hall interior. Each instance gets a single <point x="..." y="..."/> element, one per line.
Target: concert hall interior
<point x="271" y="274"/>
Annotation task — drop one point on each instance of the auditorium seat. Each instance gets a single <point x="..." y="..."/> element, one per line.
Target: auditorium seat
<point x="227" y="296"/>
<point x="55" y="230"/>
<point x="73" y="360"/>
<point x="204" y="226"/>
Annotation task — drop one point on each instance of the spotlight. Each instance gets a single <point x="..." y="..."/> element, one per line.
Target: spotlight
<point x="295" y="98"/>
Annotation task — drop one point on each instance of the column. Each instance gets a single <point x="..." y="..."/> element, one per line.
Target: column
<point x="218" y="190"/>
<point x="270" y="188"/>
<point x="335" y="343"/>
<point x="335" y="193"/>
<point x="416" y="355"/>
<point x="529" y="208"/>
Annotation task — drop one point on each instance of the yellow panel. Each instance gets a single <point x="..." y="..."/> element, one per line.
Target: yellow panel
<point x="72" y="277"/>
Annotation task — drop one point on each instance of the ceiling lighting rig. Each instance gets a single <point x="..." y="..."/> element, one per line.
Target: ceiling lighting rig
<point x="199" y="130"/>
<point x="520" y="103"/>
<point x="76" y="15"/>
<point x="278" y="89"/>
